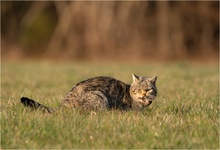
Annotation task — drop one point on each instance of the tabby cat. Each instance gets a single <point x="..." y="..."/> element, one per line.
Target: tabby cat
<point x="101" y="93"/>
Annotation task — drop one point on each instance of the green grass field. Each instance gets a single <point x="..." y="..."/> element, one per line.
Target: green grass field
<point x="184" y="115"/>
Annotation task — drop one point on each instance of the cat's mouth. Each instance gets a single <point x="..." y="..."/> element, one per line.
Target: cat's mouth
<point x="147" y="99"/>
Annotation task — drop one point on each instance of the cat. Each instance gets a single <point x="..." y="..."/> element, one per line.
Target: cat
<point x="105" y="93"/>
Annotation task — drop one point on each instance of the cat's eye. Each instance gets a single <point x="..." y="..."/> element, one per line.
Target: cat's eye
<point x="136" y="91"/>
<point x="140" y="91"/>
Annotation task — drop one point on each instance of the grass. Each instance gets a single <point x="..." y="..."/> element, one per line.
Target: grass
<point x="184" y="115"/>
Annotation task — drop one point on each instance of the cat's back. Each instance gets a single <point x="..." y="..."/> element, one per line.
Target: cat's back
<point x="96" y="91"/>
<point x="100" y="83"/>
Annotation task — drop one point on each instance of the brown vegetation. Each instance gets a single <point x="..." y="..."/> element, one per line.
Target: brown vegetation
<point x="110" y="30"/>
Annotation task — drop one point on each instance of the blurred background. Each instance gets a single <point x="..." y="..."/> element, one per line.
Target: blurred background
<point x="110" y="31"/>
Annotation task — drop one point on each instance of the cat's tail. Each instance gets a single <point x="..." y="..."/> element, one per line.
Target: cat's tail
<point x="34" y="105"/>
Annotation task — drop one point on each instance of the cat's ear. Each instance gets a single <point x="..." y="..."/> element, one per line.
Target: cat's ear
<point x="135" y="78"/>
<point x="153" y="79"/>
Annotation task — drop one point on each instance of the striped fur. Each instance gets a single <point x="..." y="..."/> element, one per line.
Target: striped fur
<point x="104" y="93"/>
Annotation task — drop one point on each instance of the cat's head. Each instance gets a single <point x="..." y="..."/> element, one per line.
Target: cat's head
<point x="143" y="90"/>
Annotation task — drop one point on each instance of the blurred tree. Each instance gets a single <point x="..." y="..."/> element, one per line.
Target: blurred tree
<point x="110" y="30"/>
